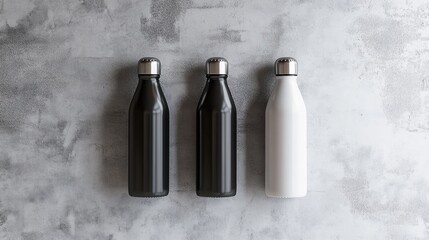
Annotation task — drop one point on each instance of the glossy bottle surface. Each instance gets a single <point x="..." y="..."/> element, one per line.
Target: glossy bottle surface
<point x="216" y="140"/>
<point x="286" y="141"/>
<point x="148" y="164"/>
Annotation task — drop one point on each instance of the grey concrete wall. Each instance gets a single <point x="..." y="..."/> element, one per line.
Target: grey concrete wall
<point x="67" y="74"/>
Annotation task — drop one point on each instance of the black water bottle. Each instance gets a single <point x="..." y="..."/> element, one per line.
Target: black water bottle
<point x="148" y="150"/>
<point x="216" y="134"/>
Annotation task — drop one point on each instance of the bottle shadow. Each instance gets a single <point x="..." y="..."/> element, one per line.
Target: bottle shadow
<point x="255" y="130"/>
<point x="114" y="135"/>
<point x="185" y="128"/>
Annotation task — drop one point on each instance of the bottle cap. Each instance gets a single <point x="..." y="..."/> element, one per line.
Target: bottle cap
<point x="149" y="66"/>
<point x="216" y="66"/>
<point x="286" y="66"/>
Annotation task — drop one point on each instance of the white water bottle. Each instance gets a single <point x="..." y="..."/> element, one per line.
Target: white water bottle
<point x="286" y="135"/>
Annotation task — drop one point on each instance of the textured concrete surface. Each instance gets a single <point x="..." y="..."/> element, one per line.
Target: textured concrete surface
<point x="67" y="74"/>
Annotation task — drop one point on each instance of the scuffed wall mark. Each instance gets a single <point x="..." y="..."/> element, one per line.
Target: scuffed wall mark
<point x="373" y="190"/>
<point x="32" y="235"/>
<point x="20" y="99"/>
<point x="355" y="182"/>
<point x="400" y="96"/>
<point x="396" y="51"/>
<point x="37" y="17"/>
<point x="5" y="164"/>
<point x="407" y="102"/>
<point x="226" y="35"/>
<point x="3" y="218"/>
<point x="5" y="167"/>
<point x="126" y="213"/>
<point x="278" y="29"/>
<point x="1" y="6"/>
<point x="21" y="33"/>
<point x="39" y="193"/>
<point x="67" y="223"/>
<point x="94" y="5"/>
<point x="208" y="5"/>
<point x="8" y="169"/>
<point x="60" y="141"/>
<point x="88" y="214"/>
<point x="384" y="38"/>
<point x="64" y="227"/>
<point x="82" y="130"/>
<point x="162" y="24"/>
<point x="29" y="72"/>
<point x="419" y="121"/>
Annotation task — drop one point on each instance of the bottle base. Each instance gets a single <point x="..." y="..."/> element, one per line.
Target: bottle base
<point x="215" y="194"/>
<point x="148" y="194"/>
<point x="271" y="195"/>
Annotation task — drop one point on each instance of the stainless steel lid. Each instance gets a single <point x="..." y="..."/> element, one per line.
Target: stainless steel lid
<point x="216" y="66"/>
<point x="149" y="66"/>
<point x="286" y="66"/>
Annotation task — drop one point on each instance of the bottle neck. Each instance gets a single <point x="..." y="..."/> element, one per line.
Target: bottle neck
<point x="216" y="77"/>
<point x="149" y="77"/>
<point x="286" y="82"/>
<point x="287" y="78"/>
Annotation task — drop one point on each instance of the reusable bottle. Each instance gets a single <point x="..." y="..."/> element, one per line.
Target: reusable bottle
<point x="216" y="134"/>
<point x="286" y="135"/>
<point x="148" y="163"/>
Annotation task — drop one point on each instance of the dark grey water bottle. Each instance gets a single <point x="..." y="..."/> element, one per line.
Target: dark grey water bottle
<point x="148" y="150"/>
<point x="216" y="134"/>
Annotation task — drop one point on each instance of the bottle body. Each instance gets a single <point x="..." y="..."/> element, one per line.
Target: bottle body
<point x="148" y="163"/>
<point x="286" y="141"/>
<point x="216" y="140"/>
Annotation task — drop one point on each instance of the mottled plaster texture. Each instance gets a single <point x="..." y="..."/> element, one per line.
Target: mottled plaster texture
<point x="68" y="72"/>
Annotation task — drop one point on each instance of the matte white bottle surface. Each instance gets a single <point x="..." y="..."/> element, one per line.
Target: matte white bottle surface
<point x="286" y="141"/>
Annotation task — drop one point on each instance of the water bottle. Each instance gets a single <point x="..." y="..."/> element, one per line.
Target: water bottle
<point x="148" y="150"/>
<point x="286" y="135"/>
<point x="216" y="134"/>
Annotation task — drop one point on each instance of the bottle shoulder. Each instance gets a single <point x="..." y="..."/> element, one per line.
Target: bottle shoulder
<point x="216" y="98"/>
<point x="149" y="98"/>
<point x="286" y="100"/>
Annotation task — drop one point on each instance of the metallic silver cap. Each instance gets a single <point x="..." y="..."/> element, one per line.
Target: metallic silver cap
<point x="149" y="66"/>
<point x="216" y="66"/>
<point x="286" y="66"/>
